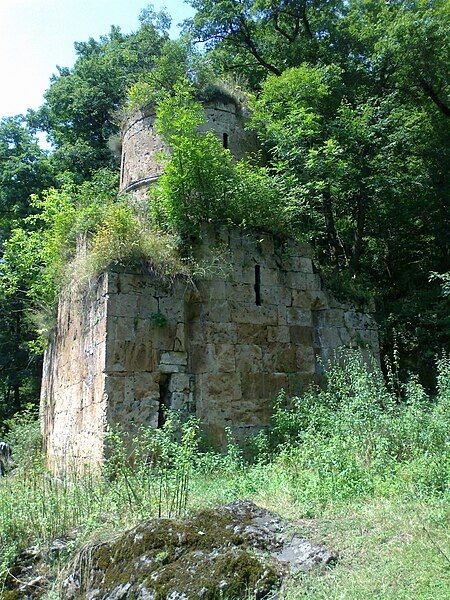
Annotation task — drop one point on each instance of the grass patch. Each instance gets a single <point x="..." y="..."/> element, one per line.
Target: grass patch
<point x="389" y="548"/>
<point x="358" y="466"/>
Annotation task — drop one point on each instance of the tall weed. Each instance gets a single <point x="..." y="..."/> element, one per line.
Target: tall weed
<point x="148" y="475"/>
<point x="357" y="436"/>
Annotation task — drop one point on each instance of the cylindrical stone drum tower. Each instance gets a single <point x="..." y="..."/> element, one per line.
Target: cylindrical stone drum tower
<point x="141" y="144"/>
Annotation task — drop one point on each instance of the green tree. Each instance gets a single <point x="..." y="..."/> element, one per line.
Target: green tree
<point x="406" y="46"/>
<point x="201" y="183"/>
<point x="80" y="104"/>
<point x="264" y="36"/>
<point x="41" y="247"/>
<point x="368" y="182"/>
<point x="374" y="42"/>
<point x="24" y="170"/>
<point x="173" y="64"/>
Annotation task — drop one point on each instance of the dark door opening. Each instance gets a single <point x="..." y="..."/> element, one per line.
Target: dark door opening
<point x="225" y="140"/>
<point x="164" y="398"/>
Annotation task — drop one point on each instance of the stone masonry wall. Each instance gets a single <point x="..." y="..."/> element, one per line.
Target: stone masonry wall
<point x="221" y="349"/>
<point x="73" y="400"/>
<point x="143" y="355"/>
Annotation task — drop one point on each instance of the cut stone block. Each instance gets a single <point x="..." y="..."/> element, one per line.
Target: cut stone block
<point x="135" y="345"/>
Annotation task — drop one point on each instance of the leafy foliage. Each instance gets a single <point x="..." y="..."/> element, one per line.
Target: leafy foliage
<point x="81" y="101"/>
<point x="353" y="444"/>
<point x="77" y="232"/>
<point x="201" y="183"/>
<point x="171" y="66"/>
<point x="361" y="436"/>
<point x="24" y="170"/>
<point x="39" y="252"/>
<point x="356" y="167"/>
<point x="261" y="36"/>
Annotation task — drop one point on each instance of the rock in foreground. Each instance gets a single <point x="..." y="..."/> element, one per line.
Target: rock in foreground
<point x="229" y="551"/>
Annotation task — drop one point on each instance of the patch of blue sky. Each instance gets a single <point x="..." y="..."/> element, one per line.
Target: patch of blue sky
<point x="37" y="35"/>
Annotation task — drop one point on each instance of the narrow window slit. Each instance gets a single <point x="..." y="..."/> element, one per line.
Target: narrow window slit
<point x="225" y="140"/>
<point x="258" y="285"/>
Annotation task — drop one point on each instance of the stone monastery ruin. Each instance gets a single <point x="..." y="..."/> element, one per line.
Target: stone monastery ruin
<point x="221" y="349"/>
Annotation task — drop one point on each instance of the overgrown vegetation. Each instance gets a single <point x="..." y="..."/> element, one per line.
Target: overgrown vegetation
<point x="364" y="462"/>
<point x="201" y="183"/>
<point x="76" y="232"/>
<point x="350" y="100"/>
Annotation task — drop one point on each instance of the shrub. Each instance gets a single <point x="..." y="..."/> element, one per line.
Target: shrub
<point x="201" y="182"/>
<point x="122" y="237"/>
<point x="22" y="433"/>
<point x="356" y="436"/>
<point x="77" y="232"/>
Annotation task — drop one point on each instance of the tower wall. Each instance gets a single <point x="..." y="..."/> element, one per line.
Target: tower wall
<point x="220" y="350"/>
<point x="142" y="146"/>
<point x="73" y="401"/>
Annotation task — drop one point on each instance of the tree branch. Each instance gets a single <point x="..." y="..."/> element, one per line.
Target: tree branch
<point x="431" y="93"/>
<point x="307" y="26"/>
<point x="330" y="227"/>
<point x="254" y="50"/>
<point x="289" y="36"/>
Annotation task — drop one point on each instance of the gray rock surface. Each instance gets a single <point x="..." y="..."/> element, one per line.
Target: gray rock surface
<point x="231" y="550"/>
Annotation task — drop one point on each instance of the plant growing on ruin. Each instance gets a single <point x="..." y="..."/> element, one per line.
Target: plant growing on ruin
<point x="158" y="319"/>
<point x="76" y="232"/>
<point x="201" y="183"/>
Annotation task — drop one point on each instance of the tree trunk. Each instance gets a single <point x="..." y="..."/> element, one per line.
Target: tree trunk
<point x="359" y="233"/>
<point x="16" y="390"/>
<point x="431" y="93"/>
<point x="330" y="228"/>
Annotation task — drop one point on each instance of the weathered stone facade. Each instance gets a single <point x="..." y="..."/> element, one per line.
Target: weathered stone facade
<point x="142" y="147"/>
<point x="219" y="348"/>
<point x="73" y="407"/>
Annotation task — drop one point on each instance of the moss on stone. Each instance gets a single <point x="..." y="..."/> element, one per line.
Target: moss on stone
<point x="232" y="572"/>
<point x="11" y="595"/>
<point x="207" y="556"/>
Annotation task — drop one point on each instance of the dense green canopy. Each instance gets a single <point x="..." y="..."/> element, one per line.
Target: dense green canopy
<point x="351" y="104"/>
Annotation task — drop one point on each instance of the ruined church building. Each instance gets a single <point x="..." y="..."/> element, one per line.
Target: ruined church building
<point x="221" y="351"/>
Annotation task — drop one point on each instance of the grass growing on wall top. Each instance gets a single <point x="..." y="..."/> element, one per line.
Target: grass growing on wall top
<point x="78" y="231"/>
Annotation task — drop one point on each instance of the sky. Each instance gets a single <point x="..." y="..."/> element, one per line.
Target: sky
<point x="37" y="35"/>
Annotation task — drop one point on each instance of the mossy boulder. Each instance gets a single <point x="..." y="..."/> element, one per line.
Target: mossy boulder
<point x="228" y="552"/>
